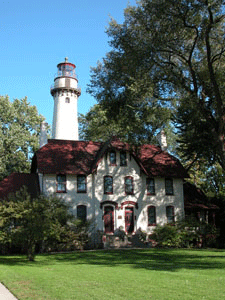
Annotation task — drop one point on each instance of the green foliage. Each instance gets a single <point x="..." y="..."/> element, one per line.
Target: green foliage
<point x="78" y="234"/>
<point x="167" y="65"/>
<point x="46" y="222"/>
<point x="167" y="236"/>
<point x="96" y="126"/>
<point x="19" y="129"/>
<point x="186" y="233"/>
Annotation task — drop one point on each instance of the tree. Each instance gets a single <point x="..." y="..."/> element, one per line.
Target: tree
<point x="98" y="126"/>
<point x="26" y="222"/>
<point x="169" y="55"/>
<point x="19" y="129"/>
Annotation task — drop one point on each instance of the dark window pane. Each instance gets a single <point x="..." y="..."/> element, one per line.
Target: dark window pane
<point x="169" y="186"/>
<point x="150" y="186"/>
<point x="108" y="185"/>
<point x="61" y="183"/>
<point x="129" y="185"/>
<point x="123" y="159"/>
<point x="82" y="212"/>
<point x="81" y="184"/>
<point x="170" y="214"/>
<point x="112" y="158"/>
<point x="151" y="215"/>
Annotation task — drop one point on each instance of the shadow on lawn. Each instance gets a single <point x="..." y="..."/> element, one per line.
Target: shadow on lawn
<point x="153" y="259"/>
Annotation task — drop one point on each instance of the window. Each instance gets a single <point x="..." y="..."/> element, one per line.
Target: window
<point x="150" y="184"/>
<point x="108" y="185"/>
<point x="151" y="216"/>
<point x="129" y="187"/>
<point x="67" y="100"/>
<point x="112" y="158"/>
<point x="82" y="212"/>
<point x="169" y="186"/>
<point x="123" y="159"/>
<point x="81" y="184"/>
<point x="61" y="183"/>
<point x="170" y="214"/>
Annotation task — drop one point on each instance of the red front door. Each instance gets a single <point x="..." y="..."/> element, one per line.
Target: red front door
<point x="129" y="219"/>
<point x="109" y="219"/>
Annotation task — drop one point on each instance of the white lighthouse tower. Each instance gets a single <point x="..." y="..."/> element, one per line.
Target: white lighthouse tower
<point x="65" y="93"/>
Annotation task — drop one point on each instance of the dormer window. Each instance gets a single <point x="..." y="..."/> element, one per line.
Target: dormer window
<point x="123" y="159"/>
<point x="112" y="158"/>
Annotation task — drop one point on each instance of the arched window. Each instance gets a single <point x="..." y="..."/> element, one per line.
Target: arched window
<point x="129" y="185"/>
<point x="82" y="212"/>
<point x="151" y="216"/>
<point x="170" y="214"/>
<point x="67" y="100"/>
<point x="108" y="185"/>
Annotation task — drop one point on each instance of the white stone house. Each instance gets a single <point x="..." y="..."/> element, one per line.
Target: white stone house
<point x="109" y="184"/>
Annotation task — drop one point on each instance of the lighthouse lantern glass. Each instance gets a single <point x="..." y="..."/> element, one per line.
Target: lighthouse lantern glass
<point x="66" y="70"/>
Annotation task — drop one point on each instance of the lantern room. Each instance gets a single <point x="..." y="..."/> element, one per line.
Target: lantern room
<point x="66" y="69"/>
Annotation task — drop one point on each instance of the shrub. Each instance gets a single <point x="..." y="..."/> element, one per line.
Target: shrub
<point x="45" y="223"/>
<point x="186" y="233"/>
<point x="167" y="236"/>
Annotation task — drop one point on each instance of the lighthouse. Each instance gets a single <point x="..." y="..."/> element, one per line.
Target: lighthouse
<point x="65" y="92"/>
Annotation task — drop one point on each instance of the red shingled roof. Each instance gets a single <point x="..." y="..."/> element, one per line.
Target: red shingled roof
<point x="80" y="157"/>
<point x="69" y="157"/>
<point x="160" y="163"/>
<point x="195" y="199"/>
<point x="15" y="181"/>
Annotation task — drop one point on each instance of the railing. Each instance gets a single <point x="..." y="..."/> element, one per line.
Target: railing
<point x="53" y="87"/>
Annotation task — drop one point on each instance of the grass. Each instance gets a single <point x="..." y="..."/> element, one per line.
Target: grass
<point x="117" y="274"/>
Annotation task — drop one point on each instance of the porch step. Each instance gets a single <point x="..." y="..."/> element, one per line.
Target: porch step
<point x="111" y="241"/>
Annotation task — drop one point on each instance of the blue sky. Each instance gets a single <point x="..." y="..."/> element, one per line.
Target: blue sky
<point x="36" y="35"/>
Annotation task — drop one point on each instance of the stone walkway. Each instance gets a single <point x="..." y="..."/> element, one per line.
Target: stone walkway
<point x="5" y="293"/>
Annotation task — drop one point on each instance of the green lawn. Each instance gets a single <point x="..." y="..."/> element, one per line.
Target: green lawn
<point x="117" y="274"/>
